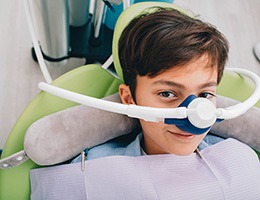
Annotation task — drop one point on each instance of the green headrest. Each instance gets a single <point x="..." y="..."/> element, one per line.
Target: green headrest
<point x="124" y="19"/>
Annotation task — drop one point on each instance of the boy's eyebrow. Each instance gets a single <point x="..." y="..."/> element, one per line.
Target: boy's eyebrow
<point x="181" y="86"/>
<point x="169" y="83"/>
<point x="209" y="84"/>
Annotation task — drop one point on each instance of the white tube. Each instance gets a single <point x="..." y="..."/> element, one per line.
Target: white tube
<point x="141" y="112"/>
<point x="36" y="46"/>
<point x="126" y="4"/>
<point x="157" y="114"/>
<point x="108" y="62"/>
<point x="241" y="108"/>
<point x="82" y="99"/>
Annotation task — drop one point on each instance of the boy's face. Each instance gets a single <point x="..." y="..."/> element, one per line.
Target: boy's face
<point x="168" y="90"/>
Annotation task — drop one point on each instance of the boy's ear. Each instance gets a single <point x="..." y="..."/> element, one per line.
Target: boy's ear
<point x="125" y="94"/>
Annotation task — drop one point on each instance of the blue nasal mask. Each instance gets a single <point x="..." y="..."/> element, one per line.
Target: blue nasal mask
<point x="188" y="126"/>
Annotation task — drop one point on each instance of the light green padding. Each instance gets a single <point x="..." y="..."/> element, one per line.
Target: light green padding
<point x="236" y="87"/>
<point x="90" y="80"/>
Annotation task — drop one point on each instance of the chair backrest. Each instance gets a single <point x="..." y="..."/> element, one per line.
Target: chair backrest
<point x="124" y="19"/>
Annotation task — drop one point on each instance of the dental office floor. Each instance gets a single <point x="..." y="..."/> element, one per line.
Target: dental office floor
<point x="239" y="20"/>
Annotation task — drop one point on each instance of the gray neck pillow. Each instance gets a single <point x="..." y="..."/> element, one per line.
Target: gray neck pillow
<point x="63" y="135"/>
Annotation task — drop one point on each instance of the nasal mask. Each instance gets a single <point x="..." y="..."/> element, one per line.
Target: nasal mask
<point x="195" y="115"/>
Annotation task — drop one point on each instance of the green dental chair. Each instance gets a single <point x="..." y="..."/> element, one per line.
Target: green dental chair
<point x="90" y="80"/>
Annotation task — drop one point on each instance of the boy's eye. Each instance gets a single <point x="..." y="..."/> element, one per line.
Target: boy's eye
<point x="206" y="95"/>
<point x="167" y="94"/>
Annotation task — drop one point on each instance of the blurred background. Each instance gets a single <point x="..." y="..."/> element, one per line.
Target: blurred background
<point x="239" y="20"/>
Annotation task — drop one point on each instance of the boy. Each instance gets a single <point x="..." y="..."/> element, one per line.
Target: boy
<point x="166" y="56"/>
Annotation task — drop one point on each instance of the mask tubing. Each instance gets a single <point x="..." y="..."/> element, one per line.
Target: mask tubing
<point x="241" y="108"/>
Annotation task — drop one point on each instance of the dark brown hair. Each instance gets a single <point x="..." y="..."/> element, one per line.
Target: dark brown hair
<point x="155" y="42"/>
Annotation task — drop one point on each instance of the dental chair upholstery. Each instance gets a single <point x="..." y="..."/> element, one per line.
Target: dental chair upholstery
<point x="90" y="80"/>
